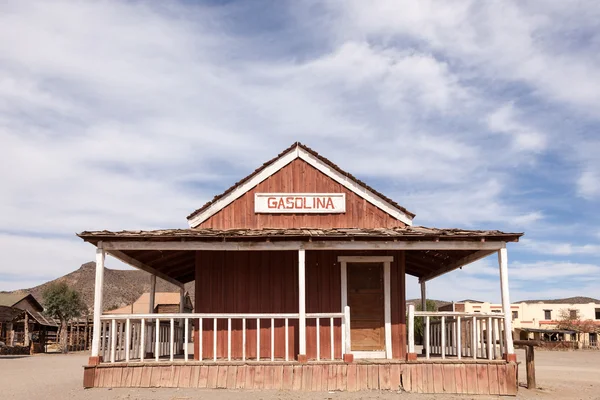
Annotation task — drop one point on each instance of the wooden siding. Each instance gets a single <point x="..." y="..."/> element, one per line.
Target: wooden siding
<point x="267" y="282"/>
<point x="300" y="177"/>
<point x="496" y="378"/>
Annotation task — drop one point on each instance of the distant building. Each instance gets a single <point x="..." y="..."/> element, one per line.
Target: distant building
<point x="21" y="319"/>
<point x="164" y="303"/>
<point x="538" y="319"/>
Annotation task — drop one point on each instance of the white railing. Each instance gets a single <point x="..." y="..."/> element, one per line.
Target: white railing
<point x="459" y="334"/>
<point x="143" y="337"/>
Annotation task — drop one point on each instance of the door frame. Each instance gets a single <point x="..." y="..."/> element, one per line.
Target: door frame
<point x="386" y="261"/>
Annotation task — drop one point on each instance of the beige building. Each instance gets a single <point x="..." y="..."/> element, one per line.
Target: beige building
<point x="164" y="303"/>
<point x="537" y="319"/>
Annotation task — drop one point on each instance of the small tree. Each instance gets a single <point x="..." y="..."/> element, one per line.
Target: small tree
<point x="62" y="303"/>
<point x="571" y="320"/>
<point x="420" y="322"/>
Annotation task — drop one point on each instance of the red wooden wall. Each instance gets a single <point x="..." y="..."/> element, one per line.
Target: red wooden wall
<point x="267" y="282"/>
<point x="300" y="177"/>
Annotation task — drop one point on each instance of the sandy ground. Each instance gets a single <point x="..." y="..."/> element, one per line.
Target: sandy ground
<point x="560" y="375"/>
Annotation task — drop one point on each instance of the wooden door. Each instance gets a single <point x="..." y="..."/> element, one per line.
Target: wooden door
<point x="366" y="301"/>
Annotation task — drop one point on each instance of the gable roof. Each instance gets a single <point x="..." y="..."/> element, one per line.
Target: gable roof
<point x="10" y="299"/>
<point x="298" y="150"/>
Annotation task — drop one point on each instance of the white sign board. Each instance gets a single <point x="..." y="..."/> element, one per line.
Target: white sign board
<point x="299" y="203"/>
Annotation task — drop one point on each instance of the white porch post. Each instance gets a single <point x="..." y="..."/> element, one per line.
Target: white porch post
<point x="98" y="289"/>
<point x="181" y="310"/>
<point x="151" y="329"/>
<point x="424" y="308"/>
<point x="423" y="296"/>
<point x="503" y="264"/>
<point x="302" y="304"/>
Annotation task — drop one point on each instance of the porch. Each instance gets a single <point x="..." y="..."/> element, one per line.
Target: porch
<point x="302" y="307"/>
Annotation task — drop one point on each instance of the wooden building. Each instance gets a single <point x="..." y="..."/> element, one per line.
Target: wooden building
<point x="164" y="303"/>
<point x="300" y="285"/>
<point x="22" y="321"/>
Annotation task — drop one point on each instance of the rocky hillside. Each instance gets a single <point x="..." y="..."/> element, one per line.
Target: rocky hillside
<point x="121" y="287"/>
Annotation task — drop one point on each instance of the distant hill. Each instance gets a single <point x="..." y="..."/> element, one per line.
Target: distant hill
<point x="121" y="287"/>
<point x="438" y="303"/>
<point x="567" y="300"/>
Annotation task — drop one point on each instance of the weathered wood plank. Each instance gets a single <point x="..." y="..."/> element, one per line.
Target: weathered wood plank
<point x="166" y="376"/>
<point x="502" y="384"/>
<point x="459" y="371"/>
<point x="231" y="376"/>
<point x="511" y="379"/>
<point x="213" y="375"/>
<point x="351" y="385"/>
<point x="483" y="385"/>
<point x="395" y="377"/>
<point x="250" y="374"/>
<point x="240" y="379"/>
<point x="269" y="377"/>
<point x="471" y="376"/>
<point x="324" y="377"/>
<point x="176" y="376"/>
<point x="405" y="376"/>
<point x="384" y="377"/>
<point x="297" y="378"/>
<point x="287" y="379"/>
<point x="373" y="372"/>
<point x="185" y="376"/>
<point x="316" y="378"/>
<point x="116" y="377"/>
<point x="449" y="378"/>
<point x="493" y="379"/>
<point x="438" y="378"/>
<point x="342" y="377"/>
<point x="428" y="385"/>
<point x="306" y="378"/>
<point x="259" y="377"/>
<point x="331" y="377"/>
<point x="146" y="377"/>
<point x="363" y="377"/>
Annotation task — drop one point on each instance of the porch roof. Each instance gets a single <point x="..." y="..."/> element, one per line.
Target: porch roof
<point x="167" y="252"/>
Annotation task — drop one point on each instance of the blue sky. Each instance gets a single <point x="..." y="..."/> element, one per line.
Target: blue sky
<point x="129" y="115"/>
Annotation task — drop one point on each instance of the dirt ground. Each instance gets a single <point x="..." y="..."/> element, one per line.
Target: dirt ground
<point x="560" y="375"/>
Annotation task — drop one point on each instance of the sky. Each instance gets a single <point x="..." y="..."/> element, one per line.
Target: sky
<point x="131" y="114"/>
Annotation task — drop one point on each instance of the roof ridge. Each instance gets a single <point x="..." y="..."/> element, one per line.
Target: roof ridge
<point x="329" y="163"/>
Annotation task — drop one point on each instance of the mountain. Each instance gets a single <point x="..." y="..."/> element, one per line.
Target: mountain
<point x="438" y="303"/>
<point x="121" y="287"/>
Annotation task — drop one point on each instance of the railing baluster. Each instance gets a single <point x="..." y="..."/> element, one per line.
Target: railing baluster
<point x="272" y="339"/>
<point x="127" y="338"/>
<point x="157" y="341"/>
<point x="113" y="340"/>
<point x="458" y="338"/>
<point x="443" y="329"/>
<point x="172" y="340"/>
<point x="332" y="338"/>
<point x="257" y="339"/>
<point x="348" y="348"/>
<point x="186" y="334"/>
<point x="474" y="337"/>
<point x="200" y="338"/>
<point x="228" y="339"/>
<point x="214" y="339"/>
<point x="287" y="337"/>
<point x="427" y="337"/>
<point x="501" y="336"/>
<point x="489" y="337"/>
<point x="142" y="339"/>
<point x="318" y="340"/>
<point x="243" y="339"/>
<point x="411" y="328"/>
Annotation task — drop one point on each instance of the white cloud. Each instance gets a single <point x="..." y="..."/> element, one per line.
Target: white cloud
<point x="504" y="120"/>
<point x="121" y="115"/>
<point x="561" y="248"/>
